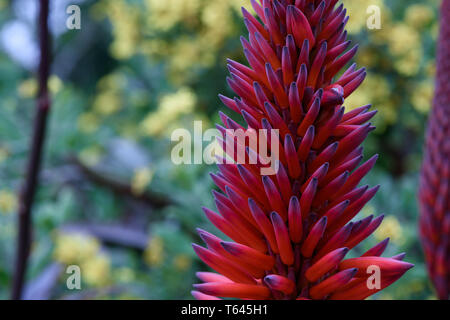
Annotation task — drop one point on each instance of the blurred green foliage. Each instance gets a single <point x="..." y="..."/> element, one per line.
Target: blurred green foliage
<point x="139" y="69"/>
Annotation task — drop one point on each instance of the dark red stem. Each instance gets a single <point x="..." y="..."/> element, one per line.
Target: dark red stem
<point x="28" y="190"/>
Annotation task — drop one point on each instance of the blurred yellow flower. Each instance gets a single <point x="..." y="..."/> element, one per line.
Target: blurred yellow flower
<point x="238" y="4"/>
<point x="390" y="228"/>
<point x="422" y="96"/>
<point x="141" y="179"/>
<point x="182" y="262"/>
<point x="8" y="201"/>
<point x="75" y="248"/>
<point x="170" y="108"/>
<point x="386" y="296"/>
<point x="91" y="155"/>
<point x="109" y="98"/>
<point x="357" y="10"/>
<point x="403" y="38"/>
<point x="88" y="122"/>
<point x="418" y="15"/>
<point x="154" y="253"/>
<point x="409" y="63"/>
<point x="430" y="69"/>
<point x="125" y="21"/>
<point x="368" y="210"/>
<point x="55" y="84"/>
<point x="107" y="103"/>
<point x="96" y="271"/>
<point x="434" y="31"/>
<point x="124" y="274"/>
<point x="28" y="88"/>
<point x="367" y="57"/>
<point x="163" y="15"/>
<point x="216" y="17"/>
<point x="4" y="154"/>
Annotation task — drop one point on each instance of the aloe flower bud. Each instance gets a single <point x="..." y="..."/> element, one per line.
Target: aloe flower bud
<point x="434" y="191"/>
<point x="291" y="231"/>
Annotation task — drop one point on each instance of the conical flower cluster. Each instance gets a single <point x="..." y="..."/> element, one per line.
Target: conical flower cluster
<point x="434" y="193"/>
<point x="292" y="230"/>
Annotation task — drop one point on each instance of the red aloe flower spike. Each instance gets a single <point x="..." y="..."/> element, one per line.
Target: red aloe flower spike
<point x="291" y="230"/>
<point x="434" y="186"/>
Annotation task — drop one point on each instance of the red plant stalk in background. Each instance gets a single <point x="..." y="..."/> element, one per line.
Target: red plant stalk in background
<point x="292" y="230"/>
<point x="434" y="191"/>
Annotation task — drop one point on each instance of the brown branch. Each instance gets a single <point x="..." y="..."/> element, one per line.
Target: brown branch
<point x="34" y="161"/>
<point x="154" y="199"/>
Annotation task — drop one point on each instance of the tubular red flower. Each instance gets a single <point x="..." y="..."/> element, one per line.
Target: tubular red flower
<point x="434" y="186"/>
<point x="293" y="229"/>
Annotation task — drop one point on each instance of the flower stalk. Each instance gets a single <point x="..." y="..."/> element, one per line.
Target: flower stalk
<point x="434" y="189"/>
<point x="28" y="190"/>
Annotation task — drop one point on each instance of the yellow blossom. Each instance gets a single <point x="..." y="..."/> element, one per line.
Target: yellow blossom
<point x="422" y="96"/>
<point x="409" y="63"/>
<point x="141" y="179"/>
<point x="8" y="201"/>
<point x="403" y="38"/>
<point x="430" y="69"/>
<point x="91" y="155"/>
<point x="163" y="15"/>
<point x="182" y="262"/>
<point x="124" y="274"/>
<point x="109" y="98"/>
<point x="96" y="271"/>
<point x="88" y="122"/>
<point x="124" y="19"/>
<point x="170" y="108"/>
<point x="55" y="84"/>
<point x="390" y="228"/>
<point x="107" y="103"/>
<point x="154" y="253"/>
<point x="418" y="15"/>
<point x="75" y="248"/>
<point x="4" y="154"/>
<point x="28" y="88"/>
<point x="357" y="10"/>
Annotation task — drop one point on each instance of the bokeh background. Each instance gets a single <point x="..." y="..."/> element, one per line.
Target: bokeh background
<point x="111" y="201"/>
